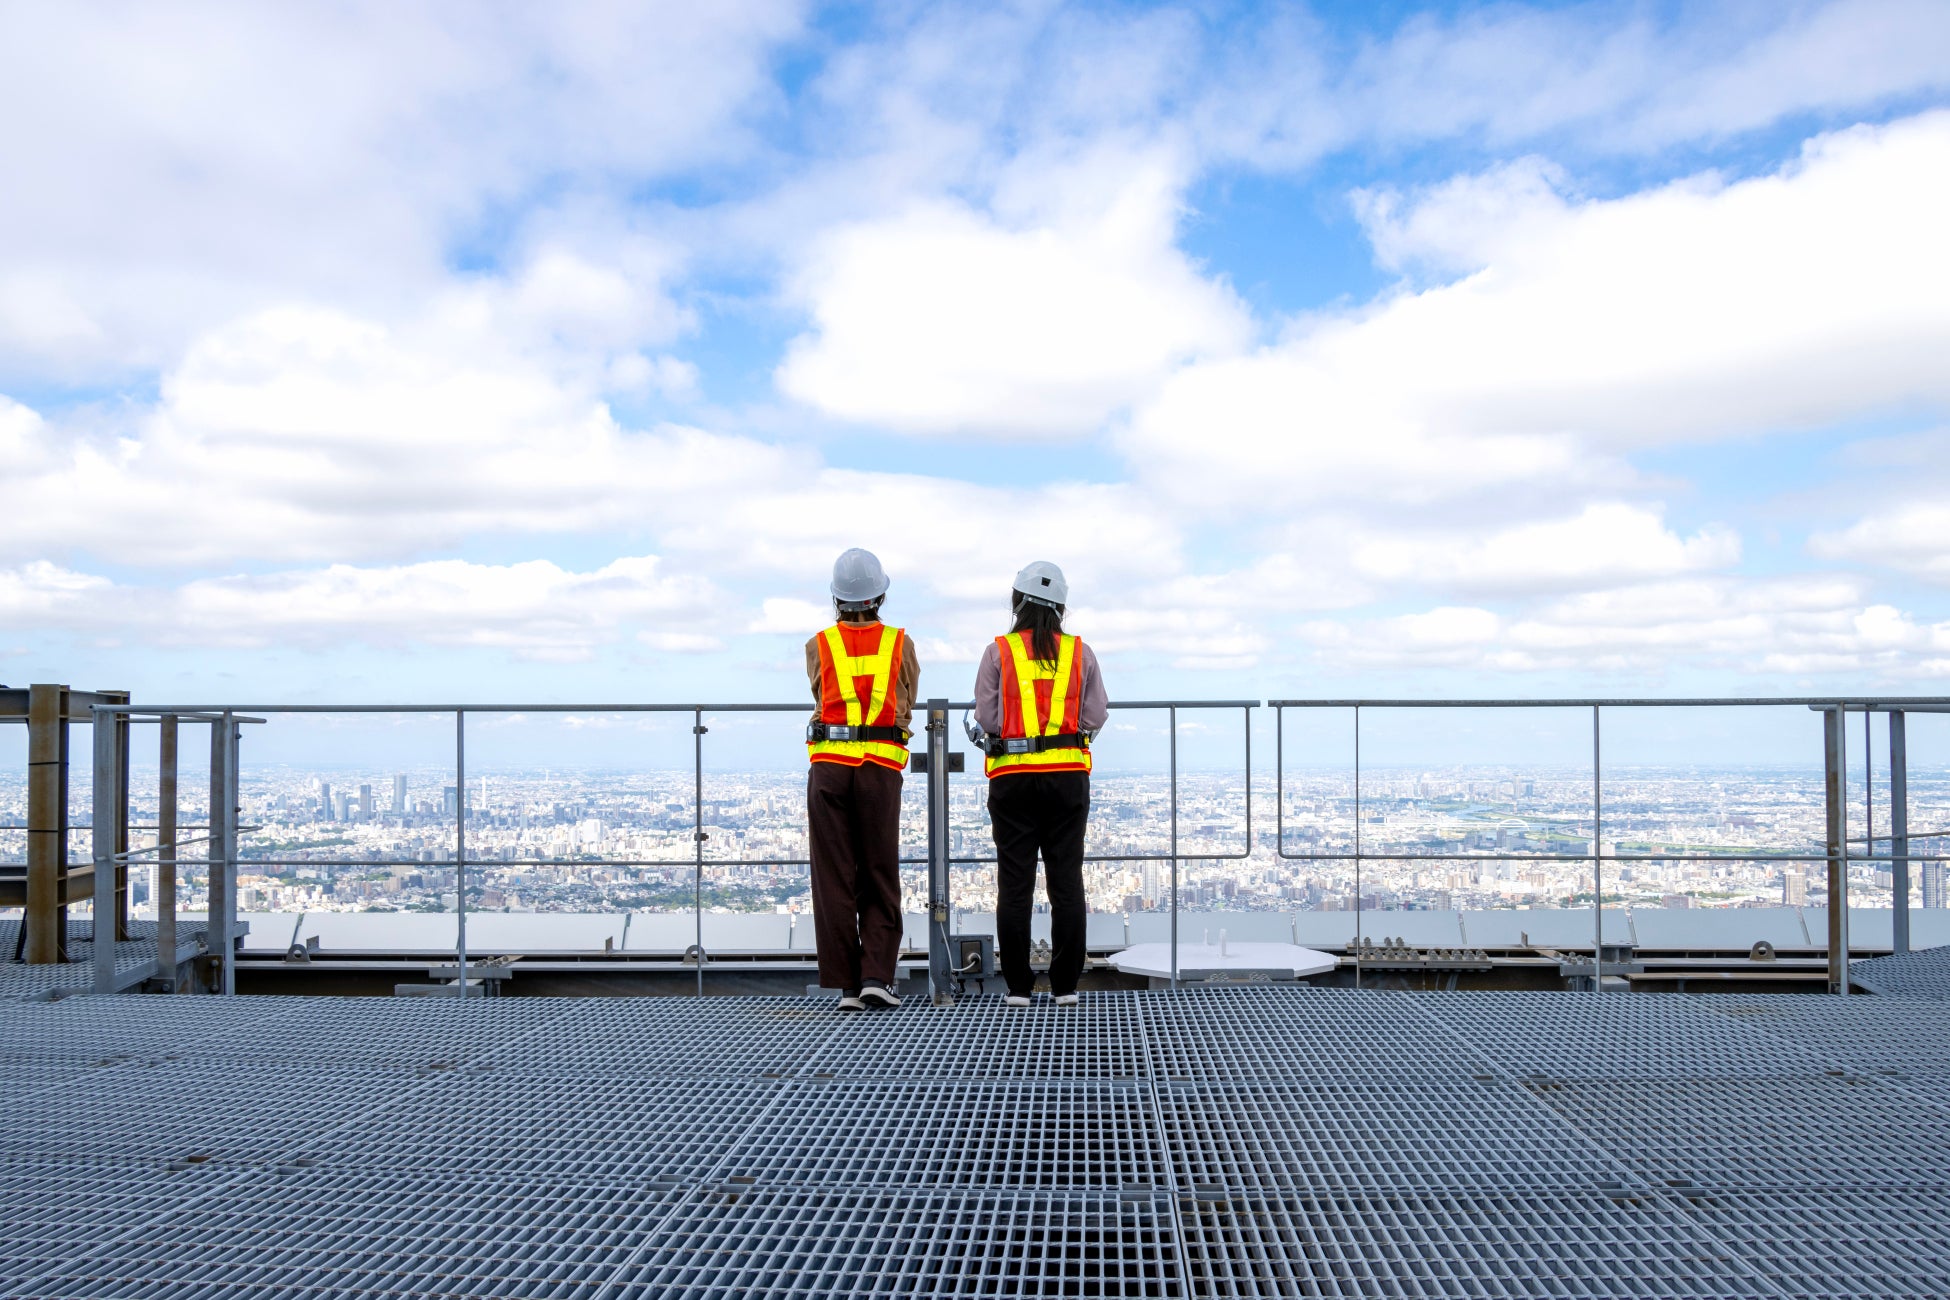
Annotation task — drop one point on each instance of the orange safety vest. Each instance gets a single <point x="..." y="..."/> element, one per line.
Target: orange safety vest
<point x="1039" y="699"/>
<point x="850" y="654"/>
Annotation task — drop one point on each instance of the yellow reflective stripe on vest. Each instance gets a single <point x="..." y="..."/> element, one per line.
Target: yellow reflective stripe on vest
<point x="1030" y="671"/>
<point x="879" y="666"/>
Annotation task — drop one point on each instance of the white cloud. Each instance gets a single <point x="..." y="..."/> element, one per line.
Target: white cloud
<point x="790" y="615"/>
<point x="1604" y="545"/>
<point x="944" y="319"/>
<point x="306" y="434"/>
<point x="534" y="609"/>
<point x="1909" y="535"/>
<point x="1787" y="626"/>
<point x="1692" y="311"/>
<point x="192" y="163"/>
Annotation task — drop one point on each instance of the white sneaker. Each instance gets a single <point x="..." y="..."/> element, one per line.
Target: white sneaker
<point x="1066" y="999"/>
<point x="850" y="1001"/>
<point x="1015" y="1000"/>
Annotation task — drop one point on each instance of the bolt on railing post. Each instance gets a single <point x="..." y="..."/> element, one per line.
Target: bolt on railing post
<point x="1597" y="857"/>
<point x="1174" y="846"/>
<point x="460" y="844"/>
<point x="1899" y="827"/>
<point x="1835" y="765"/>
<point x="941" y="963"/>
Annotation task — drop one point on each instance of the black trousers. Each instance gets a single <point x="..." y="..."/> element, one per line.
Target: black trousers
<point x="853" y="816"/>
<point x="1046" y="812"/>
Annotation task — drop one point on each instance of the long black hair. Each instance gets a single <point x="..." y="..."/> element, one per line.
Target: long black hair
<point x="1044" y="623"/>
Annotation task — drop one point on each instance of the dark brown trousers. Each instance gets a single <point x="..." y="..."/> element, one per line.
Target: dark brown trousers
<point x="853" y="815"/>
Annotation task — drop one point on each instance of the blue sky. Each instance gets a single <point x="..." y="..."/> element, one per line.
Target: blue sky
<point x="552" y="353"/>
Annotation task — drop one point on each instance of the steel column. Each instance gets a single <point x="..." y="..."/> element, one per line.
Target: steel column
<point x="1835" y="763"/>
<point x="1597" y="857"/>
<point x="44" y="925"/>
<point x="223" y="848"/>
<point x="941" y="961"/>
<point x="166" y="851"/>
<point x="698" y="731"/>
<point x="460" y="845"/>
<point x="1899" y="827"/>
<point x="1174" y="846"/>
<point x="1357" y="846"/>
<point x="120" y="876"/>
<point x="104" y="790"/>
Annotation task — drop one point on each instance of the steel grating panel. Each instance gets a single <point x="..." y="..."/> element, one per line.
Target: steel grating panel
<point x="1840" y="1134"/>
<point x="1616" y="1036"/>
<point x="1861" y="1244"/>
<point x="610" y="1132"/>
<point x="1043" y="1136"/>
<point x="1908" y="1037"/>
<point x="987" y="1041"/>
<point x="1500" y="1245"/>
<point x="1300" y="1136"/>
<point x="1924" y="974"/>
<point x="1352" y="1038"/>
<point x="370" y="1234"/>
<point x="816" y="1242"/>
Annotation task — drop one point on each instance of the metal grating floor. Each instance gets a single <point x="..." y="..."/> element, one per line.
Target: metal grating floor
<point x="1245" y="1142"/>
<point x="133" y="958"/>
<point x="1924" y="974"/>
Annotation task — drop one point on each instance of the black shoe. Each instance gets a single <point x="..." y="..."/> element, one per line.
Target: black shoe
<point x="880" y="995"/>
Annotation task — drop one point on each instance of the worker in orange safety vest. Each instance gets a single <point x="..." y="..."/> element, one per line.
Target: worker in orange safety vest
<point x="1039" y="701"/>
<point x="863" y="677"/>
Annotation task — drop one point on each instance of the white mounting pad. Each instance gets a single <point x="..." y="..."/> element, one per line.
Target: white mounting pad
<point x="1154" y="959"/>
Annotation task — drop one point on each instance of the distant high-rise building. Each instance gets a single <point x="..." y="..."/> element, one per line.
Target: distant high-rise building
<point x="1936" y="877"/>
<point x="342" y="807"/>
<point x="325" y="798"/>
<point x="399" y="793"/>
<point x="1153" y="889"/>
<point x="365" y="802"/>
<point x="1794" y="888"/>
<point x="451" y="802"/>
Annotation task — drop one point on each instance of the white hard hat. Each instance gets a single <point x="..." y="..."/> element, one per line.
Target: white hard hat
<point x="858" y="579"/>
<point x="1043" y="583"/>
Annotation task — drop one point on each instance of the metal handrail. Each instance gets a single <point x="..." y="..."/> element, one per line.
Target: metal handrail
<point x="698" y="859"/>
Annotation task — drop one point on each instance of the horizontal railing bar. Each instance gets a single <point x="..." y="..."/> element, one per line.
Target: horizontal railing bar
<point x="1852" y="703"/>
<point x="179" y="710"/>
<point x="1585" y="857"/>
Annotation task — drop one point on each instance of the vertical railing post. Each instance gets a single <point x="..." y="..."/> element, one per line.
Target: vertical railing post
<point x="216" y="887"/>
<point x="1597" y="857"/>
<point x="43" y="926"/>
<point x="1835" y="764"/>
<point x="104" y="850"/>
<point x="232" y="808"/>
<point x="698" y="730"/>
<point x="941" y="961"/>
<point x="1174" y="847"/>
<point x="166" y="851"/>
<point x="460" y="846"/>
<point x="1899" y="827"/>
<point x="123" y="872"/>
<point x="1357" y="846"/>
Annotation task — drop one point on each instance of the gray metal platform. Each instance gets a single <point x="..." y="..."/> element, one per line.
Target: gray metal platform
<point x="1922" y="974"/>
<point x="135" y="959"/>
<point x="1243" y="1142"/>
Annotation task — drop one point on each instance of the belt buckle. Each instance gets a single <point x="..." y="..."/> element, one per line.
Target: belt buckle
<point x="1015" y="746"/>
<point x="839" y="733"/>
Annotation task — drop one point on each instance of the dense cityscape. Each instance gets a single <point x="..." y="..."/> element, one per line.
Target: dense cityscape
<point x="1460" y="837"/>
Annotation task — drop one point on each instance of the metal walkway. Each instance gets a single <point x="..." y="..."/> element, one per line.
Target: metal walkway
<point x="1924" y="974"/>
<point x="135" y="959"/>
<point x="1204" y="1143"/>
